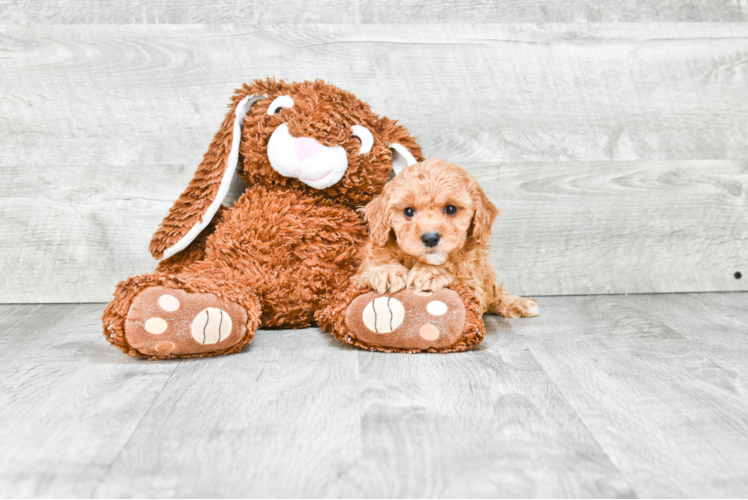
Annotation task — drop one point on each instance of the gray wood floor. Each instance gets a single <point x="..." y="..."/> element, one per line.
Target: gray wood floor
<point x="601" y="396"/>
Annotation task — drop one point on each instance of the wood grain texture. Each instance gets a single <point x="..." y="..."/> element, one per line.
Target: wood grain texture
<point x="299" y="414"/>
<point x="488" y="423"/>
<point x="619" y="227"/>
<point x="607" y="396"/>
<point x="654" y="393"/>
<point x="474" y="92"/>
<point x="103" y="127"/>
<point x="367" y="11"/>
<point x="68" y="402"/>
<point x="279" y="419"/>
<point x="566" y="228"/>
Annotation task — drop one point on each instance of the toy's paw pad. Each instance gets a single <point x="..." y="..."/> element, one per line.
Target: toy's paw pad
<point x="383" y="314"/>
<point x="408" y="319"/>
<point x="164" y="322"/>
<point x="211" y="326"/>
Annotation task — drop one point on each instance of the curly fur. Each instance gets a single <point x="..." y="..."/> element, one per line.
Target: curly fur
<point x="284" y="250"/>
<point x="321" y="111"/>
<point x="115" y="313"/>
<point x="396" y="256"/>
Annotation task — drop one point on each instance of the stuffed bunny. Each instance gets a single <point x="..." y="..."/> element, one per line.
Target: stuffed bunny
<point x="282" y="255"/>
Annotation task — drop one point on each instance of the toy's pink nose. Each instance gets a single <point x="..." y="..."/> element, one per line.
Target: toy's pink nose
<point x="306" y="147"/>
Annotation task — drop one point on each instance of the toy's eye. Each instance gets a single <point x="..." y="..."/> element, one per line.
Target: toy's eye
<point x="409" y="212"/>
<point x="450" y="210"/>
<point x="284" y="101"/>
<point x="363" y="134"/>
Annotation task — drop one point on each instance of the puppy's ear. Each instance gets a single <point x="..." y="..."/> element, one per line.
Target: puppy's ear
<point x="484" y="217"/>
<point x="197" y="205"/>
<point x="377" y="215"/>
<point x="404" y="149"/>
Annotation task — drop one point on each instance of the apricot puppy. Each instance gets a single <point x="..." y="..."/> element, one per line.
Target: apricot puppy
<point x="429" y="229"/>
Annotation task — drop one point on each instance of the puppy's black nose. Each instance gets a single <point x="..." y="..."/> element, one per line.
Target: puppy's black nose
<point x="430" y="239"/>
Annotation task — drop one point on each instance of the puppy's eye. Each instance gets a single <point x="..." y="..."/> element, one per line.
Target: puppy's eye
<point x="450" y="210"/>
<point x="279" y="103"/>
<point x="409" y="212"/>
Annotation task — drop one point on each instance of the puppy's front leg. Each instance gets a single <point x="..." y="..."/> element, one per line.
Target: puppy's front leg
<point x="388" y="277"/>
<point x="429" y="278"/>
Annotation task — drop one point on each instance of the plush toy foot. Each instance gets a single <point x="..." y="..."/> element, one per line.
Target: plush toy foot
<point x="449" y="320"/>
<point x="166" y="322"/>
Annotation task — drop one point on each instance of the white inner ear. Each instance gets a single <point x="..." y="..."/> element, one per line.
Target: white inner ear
<point x="401" y="157"/>
<point x="241" y="111"/>
<point x="284" y="101"/>
<point x="364" y="135"/>
<point x="236" y="190"/>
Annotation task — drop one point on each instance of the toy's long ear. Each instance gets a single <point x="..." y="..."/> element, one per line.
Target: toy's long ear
<point x="404" y="148"/>
<point x="197" y="205"/>
<point x="401" y="157"/>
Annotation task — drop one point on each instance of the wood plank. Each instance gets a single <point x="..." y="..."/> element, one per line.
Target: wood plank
<point x="383" y="11"/>
<point x="671" y="419"/>
<point x="619" y="227"/>
<point x="487" y="423"/>
<point x="720" y="332"/>
<point x="300" y="415"/>
<point x="68" y="401"/>
<point x="104" y="126"/>
<point x="567" y="228"/>
<point x="277" y="420"/>
<point x="603" y="396"/>
<point x="471" y="92"/>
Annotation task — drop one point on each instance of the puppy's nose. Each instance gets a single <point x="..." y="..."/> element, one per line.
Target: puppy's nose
<point x="430" y="239"/>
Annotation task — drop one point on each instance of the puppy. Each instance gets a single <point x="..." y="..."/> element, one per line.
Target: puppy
<point x="430" y="228"/>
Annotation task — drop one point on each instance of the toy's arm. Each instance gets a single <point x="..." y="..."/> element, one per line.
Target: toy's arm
<point x="197" y="205"/>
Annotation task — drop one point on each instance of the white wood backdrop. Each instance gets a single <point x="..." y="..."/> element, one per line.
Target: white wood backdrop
<point x="368" y="11"/>
<point x="618" y="152"/>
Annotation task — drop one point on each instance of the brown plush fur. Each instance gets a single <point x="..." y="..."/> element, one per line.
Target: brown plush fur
<point x="322" y="112"/>
<point x="396" y="257"/>
<point x="284" y="250"/>
<point x="116" y="312"/>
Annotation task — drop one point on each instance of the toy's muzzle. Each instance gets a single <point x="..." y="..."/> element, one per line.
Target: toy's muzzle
<point x="305" y="159"/>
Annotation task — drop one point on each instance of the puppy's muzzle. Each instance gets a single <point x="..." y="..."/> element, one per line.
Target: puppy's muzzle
<point x="430" y="239"/>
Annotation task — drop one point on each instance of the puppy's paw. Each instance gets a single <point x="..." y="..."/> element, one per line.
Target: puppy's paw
<point x="428" y="279"/>
<point x="387" y="278"/>
<point x="518" y="307"/>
